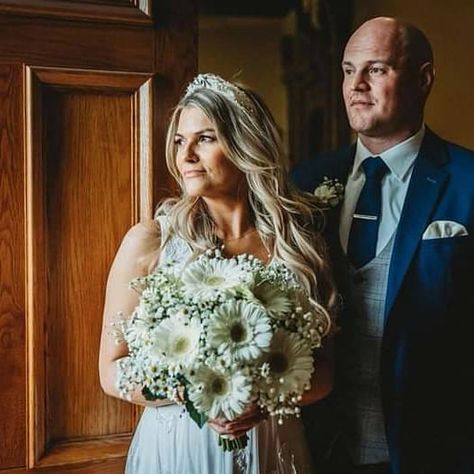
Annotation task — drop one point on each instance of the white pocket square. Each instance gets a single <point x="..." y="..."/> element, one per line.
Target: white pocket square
<point x="443" y="230"/>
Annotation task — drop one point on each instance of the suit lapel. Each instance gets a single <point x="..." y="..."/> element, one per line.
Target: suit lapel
<point x="344" y="163"/>
<point x="426" y="184"/>
<point x="340" y="170"/>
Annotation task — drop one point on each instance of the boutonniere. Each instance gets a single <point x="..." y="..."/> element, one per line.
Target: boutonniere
<point x="329" y="193"/>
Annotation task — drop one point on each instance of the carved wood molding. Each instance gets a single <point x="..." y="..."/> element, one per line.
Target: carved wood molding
<point x="43" y="451"/>
<point x="124" y="11"/>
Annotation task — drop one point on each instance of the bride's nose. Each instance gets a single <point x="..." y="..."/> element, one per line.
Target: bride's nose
<point x="190" y="152"/>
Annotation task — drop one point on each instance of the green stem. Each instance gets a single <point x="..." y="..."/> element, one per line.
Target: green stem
<point x="233" y="444"/>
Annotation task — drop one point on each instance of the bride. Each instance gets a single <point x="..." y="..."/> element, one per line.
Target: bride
<point x="224" y="150"/>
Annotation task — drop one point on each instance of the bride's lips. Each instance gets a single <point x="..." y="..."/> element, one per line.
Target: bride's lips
<point x="193" y="173"/>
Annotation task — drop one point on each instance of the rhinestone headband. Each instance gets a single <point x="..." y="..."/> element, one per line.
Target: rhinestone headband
<point x="223" y="87"/>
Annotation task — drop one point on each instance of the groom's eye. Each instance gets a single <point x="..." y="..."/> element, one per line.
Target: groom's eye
<point x="377" y="70"/>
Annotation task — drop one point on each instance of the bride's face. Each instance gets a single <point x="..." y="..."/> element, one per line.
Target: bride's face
<point x="205" y="169"/>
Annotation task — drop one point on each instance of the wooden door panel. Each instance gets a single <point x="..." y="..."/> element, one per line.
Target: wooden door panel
<point x="12" y="270"/>
<point x="88" y="165"/>
<point x="74" y="124"/>
<point x="111" y="11"/>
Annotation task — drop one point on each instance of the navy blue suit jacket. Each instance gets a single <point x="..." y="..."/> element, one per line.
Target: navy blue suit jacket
<point x="427" y="359"/>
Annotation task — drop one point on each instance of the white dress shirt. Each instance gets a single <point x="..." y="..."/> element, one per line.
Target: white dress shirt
<point x="400" y="160"/>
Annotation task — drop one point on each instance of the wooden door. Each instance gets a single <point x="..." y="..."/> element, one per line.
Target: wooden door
<point x="86" y="87"/>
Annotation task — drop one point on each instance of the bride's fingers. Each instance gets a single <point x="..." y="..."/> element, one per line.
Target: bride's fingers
<point x="242" y="426"/>
<point x="248" y="420"/>
<point x="222" y="422"/>
<point x="253" y="412"/>
<point x="224" y="429"/>
<point x="217" y="427"/>
<point x="235" y="427"/>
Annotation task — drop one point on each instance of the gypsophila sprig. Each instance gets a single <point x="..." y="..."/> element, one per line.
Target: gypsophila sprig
<point x="220" y="335"/>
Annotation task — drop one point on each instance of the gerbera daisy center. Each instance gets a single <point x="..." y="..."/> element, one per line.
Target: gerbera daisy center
<point x="278" y="362"/>
<point x="238" y="333"/>
<point x="219" y="386"/>
<point x="181" y="345"/>
<point x="214" y="280"/>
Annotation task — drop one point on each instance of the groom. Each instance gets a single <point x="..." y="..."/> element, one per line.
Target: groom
<point x="403" y="253"/>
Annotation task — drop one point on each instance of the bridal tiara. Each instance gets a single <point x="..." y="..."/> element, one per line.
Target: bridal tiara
<point x="232" y="92"/>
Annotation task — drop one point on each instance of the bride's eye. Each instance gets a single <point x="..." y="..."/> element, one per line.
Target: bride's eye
<point x="207" y="139"/>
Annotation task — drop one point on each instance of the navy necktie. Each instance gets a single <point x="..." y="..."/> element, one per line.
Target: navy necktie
<point x="363" y="235"/>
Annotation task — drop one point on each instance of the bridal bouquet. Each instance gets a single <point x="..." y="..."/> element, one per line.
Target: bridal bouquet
<point x="222" y="334"/>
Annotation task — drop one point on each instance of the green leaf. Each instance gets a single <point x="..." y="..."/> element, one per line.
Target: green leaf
<point x="150" y="396"/>
<point x="199" y="418"/>
<point x="232" y="444"/>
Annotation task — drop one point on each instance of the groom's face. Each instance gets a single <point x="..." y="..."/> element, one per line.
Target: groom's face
<point x="381" y="93"/>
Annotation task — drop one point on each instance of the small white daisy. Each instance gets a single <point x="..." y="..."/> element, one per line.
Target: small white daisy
<point x="240" y="331"/>
<point x="176" y="340"/>
<point x="139" y="327"/>
<point x="218" y="393"/>
<point x="291" y="362"/>
<point x="203" y="278"/>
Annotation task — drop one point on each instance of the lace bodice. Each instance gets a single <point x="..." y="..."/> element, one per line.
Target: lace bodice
<point x="174" y="250"/>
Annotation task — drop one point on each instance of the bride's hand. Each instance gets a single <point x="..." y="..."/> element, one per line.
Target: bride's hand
<point x="236" y="428"/>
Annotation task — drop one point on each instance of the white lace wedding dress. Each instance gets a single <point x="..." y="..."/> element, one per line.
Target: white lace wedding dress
<point x="168" y="441"/>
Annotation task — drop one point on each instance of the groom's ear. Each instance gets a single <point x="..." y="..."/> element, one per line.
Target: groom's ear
<point x="426" y="77"/>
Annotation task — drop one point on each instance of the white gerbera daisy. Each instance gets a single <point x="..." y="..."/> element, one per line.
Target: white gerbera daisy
<point x="275" y="300"/>
<point x="240" y="331"/>
<point x="218" y="393"/>
<point x="203" y="278"/>
<point x="176" y="340"/>
<point x="291" y="362"/>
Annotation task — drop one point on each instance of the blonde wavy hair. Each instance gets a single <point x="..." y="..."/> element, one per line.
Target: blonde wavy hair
<point x="288" y="221"/>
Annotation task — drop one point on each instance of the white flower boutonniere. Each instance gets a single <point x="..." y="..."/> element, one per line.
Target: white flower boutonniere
<point x="330" y="192"/>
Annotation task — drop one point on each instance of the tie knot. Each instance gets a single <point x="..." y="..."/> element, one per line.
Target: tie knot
<point x="374" y="168"/>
